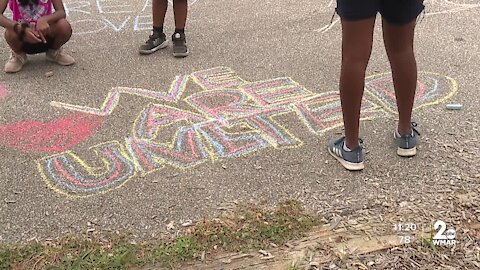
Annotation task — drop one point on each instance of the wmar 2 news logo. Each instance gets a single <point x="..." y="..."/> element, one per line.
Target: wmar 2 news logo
<point x="443" y="237"/>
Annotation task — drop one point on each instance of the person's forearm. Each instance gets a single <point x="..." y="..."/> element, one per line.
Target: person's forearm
<point x="57" y="15"/>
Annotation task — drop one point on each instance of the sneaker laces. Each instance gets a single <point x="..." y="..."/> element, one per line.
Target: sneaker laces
<point x="55" y="53"/>
<point x="14" y="56"/>
<point x="414" y="128"/>
<point x="152" y="37"/>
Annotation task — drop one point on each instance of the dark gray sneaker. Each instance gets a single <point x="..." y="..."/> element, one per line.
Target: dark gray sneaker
<point x="179" y="45"/>
<point x="407" y="144"/>
<point x="351" y="160"/>
<point x="155" y="42"/>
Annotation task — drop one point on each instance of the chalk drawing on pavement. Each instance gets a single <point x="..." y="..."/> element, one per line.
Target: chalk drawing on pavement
<point x="111" y="101"/>
<point x="438" y="7"/>
<point x="324" y="112"/>
<point x="68" y="172"/>
<point x="57" y="135"/>
<point x="3" y="91"/>
<point x="433" y="7"/>
<point x="432" y="89"/>
<point x="229" y="117"/>
<point x="101" y="16"/>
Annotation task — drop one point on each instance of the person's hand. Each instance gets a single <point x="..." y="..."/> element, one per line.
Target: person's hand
<point x="31" y="36"/>
<point x="43" y="28"/>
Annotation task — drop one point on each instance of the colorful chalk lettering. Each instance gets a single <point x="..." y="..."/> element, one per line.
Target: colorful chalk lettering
<point x="229" y="117"/>
<point x="217" y="78"/>
<point x="97" y="16"/>
<point x="156" y="116"/>
<point x="113" y="97"/>
<point x="229" y="104"/>
<point x="68" y="174"/>
<point x="185" y="151"/>
<point x="277" y="91"/>
<point x="271" y="131"/>
<point x="226" y="144"/>
<point x="324" y="112"/>
<point x="431" y="89"/>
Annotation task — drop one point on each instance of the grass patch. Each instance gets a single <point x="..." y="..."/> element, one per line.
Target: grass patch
<point x="252" y="227"/>
<point x="428" y="242"/>
<point x="83" y="252"/>
<point x="293" y="267"/>
<point x="246" y="228"/>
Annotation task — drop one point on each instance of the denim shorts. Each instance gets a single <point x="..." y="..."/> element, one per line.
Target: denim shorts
<point x="398" y="12"/>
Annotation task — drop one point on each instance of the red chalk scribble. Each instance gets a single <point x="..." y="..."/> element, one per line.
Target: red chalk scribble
<point x="3" y="91"/>
<point x="55" y="136"/>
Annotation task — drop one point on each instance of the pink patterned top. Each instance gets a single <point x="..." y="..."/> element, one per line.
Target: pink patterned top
<point x="30" y="13"/>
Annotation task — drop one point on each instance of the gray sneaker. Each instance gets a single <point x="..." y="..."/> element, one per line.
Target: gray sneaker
<point x="351" y="160"/>
<point x="155" y="42"/>
<point x="407" y="144"/>
<point x="179" y="45"/>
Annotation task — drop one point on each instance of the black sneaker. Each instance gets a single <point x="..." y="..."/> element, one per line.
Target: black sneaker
<point x="155" y="42"/>
<point x="179" y="45"/>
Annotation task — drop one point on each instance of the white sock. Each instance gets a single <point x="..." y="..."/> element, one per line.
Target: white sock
<point x="346" y="148"/>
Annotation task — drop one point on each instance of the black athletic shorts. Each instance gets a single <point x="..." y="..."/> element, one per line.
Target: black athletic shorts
<point x="399" y="12"/>
<point x="41" y="47"/>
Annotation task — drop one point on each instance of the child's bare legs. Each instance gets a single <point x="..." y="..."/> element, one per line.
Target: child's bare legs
<point x="180" y="9"/>
<point x="18" y="58"/>
<point x="13" y="41"/>
<point x="159" y="9"/>
<point x="60" y="32"/>
<point x="158" y="39"/>
<point x="357" y="39"/>
<point x="399" y="46"/>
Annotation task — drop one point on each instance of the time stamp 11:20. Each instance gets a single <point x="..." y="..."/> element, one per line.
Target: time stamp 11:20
<point x="405" y="228"/>
<point x="443" y="236"/>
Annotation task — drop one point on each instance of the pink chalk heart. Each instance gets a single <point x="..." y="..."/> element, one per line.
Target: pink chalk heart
<point x="55" y="136"/>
